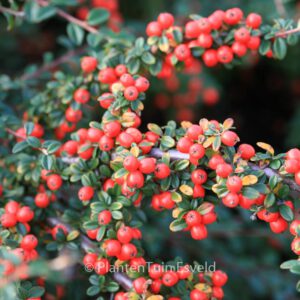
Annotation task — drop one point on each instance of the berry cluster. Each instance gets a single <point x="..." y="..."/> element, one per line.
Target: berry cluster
<point x="221" y="36"/>
<point x="292" y="164"/>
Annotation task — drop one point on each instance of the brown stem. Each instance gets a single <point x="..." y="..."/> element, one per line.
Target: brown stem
<point x="70" y="18"/>
<point x="288" y="32"/>
<point x="52" y="65"/>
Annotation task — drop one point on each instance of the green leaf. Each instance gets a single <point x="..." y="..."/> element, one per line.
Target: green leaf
<point x="36" y="291"/>
<point x="167" y="142"/>
<point x="273" y="181"/>
<point x="112" y="287"/>
<point x="33" y="142"/>
<point x="75" y="33"/>
<point x="134" y="65"/>
<point x="181" y="164"/>
<point x="289" y="264"/>
<point x="270" y="200"/>
<point x="250" y="193"/>
<point x="116" y="206"/>
<point x="35" y="13"/>
<point x="178" y="225"/>
<point x="148" y="58"/>
<point x="155" y="128"/>
<point x="265" y="46"/>
<point x="117" y="215"/>
<point x="93" y="290"/>
<point x="20" y="147"/>
<point x="100" y="233"/>
<point x="286" y="212"/>
<point x="47" y="162"/>
<point x="98" y="16"/>
<point x="279" y="48"/>
<point x="28" y="126"/>
<point x="51" y="146"/>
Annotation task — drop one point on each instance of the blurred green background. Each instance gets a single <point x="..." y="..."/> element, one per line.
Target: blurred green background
<point x="262" y="95"/>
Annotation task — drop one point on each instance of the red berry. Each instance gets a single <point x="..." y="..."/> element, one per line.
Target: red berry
<point x="102" y="266"/>
<point x="29" y="242"/>
<point x="89" y="259"/>
<point x="131" y="93"/>
<point x="253" y="20"/>
<point x="54" y="182"/>
<point x="105" y="100"/>
<point x="156" y="271"/>
<point x="224" y="170"/>
<point x="112" y="247"/>
<point x="124" y="234"/>
<point x="147" y="165"/>
<point x="8" y="220"/>
<point x="166" y="200"/>
<point x="204" y="25"/>
<point x="293" y="154"/>
<point x="233" y="16"/>
<point x="25" y="214"/>
<point x="239" y="49"/>
<point x="88" y="64"/>
<point x="198" y="295"/>
<point x="295" y="225"/>
<point x="242" y="35"/>
<point x="199" y="232"/>
<point x="199" y="176"/>
<point x="231" y="200"/>
<point x="85" y="151"/>
<point x="297" y="177"/>
<point x="184" y="144"/>
<point x="192" y="29"/>
<point x="42" y="200"/>
<point x="154" y="29"/>
<point x="254" y="43"/>
<point x="198" y="191"/>
<point x="12" y="207"/>
<point x="210" y="58"/>
<point x="128" y="251"/>
<point x="106" y="143"/>
<point x="104" y="217"/>
<point x="182" y="52"/>
<point x="279" y="226"/>
<point x="73" y="115"/>
<point x="197" y="151"/>
<point x="81" y="95"/>
<point x="131" y="163"/>
<point x="142" y="84"/>
<point x="219" y="278"/>
<point x="193" y="218"/>
<point x="135" y="180"/>
<point x="107" y="76"/>
<point x="225" y="55"/>
<point x="234" y="184"/>
<point x="295" y="246"/>
<point x="112" y="129"/>
<point x="70" y="147"/>
<point x="120" y="70"/>
<point x="292" y="166"/>
<point x="170" y="278"/>
<point x="205" y="40"/>
<point x="140" y="285"/>
<point x="215" y="161"/>
<point x="165" y="20"/>
<point x="94" y="135"/>
<point x="184" y="272"/>
<point x="127" y="80"/>
<point x="162" y="171"/>
<point x="125" y="139"/>
<point x="194" y="132"/>
<point x="86" y="193"/>
<point x="246" y="151"/>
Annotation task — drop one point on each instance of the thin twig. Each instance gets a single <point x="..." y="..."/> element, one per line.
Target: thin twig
<point x="52" y="65"/>
<point x="70" y="18"/>
<point x="12" y="12"/>
<point x="280" y="8"/>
